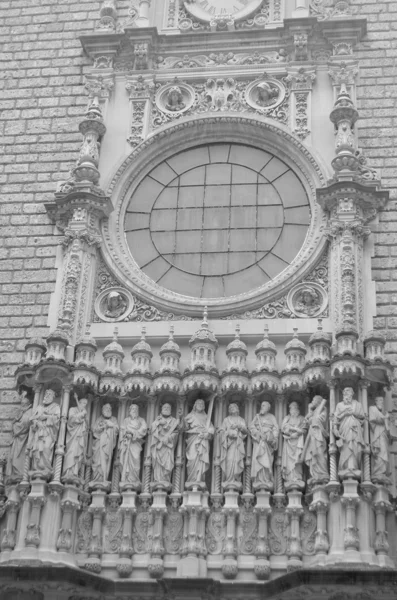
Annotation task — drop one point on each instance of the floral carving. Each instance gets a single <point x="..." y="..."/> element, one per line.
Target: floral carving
<point x="248" y="522"/>
<point x="113" y="531"/>
<point x="173" y="529"/>
<point x="215" y="532"/>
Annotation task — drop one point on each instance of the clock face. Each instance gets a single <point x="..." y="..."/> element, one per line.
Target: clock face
<point x="206" y="10"/>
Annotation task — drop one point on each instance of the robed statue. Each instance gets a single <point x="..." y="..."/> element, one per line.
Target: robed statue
<point x="20" y="434"/>
<point x="132" y="435"/>
<point x="76" y="440"/>
<point x="199" y="431"/>
<point x="44" y="424"/>
<point x="315" y="450"/>
<point x="293" y="429"/>
<point x="264" y="432"/>
<point x="380" y="441"/>
<point x="348" y="428"/>
<point x="164" y="436"/>
<point x="104" y="434"/>
<point x="232" y="434"/>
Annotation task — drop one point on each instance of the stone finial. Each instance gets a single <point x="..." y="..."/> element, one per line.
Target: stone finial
<point x="170" y="354"/>
<point x="266" y="352"/>
<point x="237" y="353"/>
<point x="295" y="352"/>
<point x="203" y="345"/>
<point x="142" y="354"/>
<point x="344" y="115"/>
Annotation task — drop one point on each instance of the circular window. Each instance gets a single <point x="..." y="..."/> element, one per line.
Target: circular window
<point x="217" y="220"/>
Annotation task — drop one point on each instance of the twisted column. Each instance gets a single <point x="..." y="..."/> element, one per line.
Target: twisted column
<point x="60" y="448"/>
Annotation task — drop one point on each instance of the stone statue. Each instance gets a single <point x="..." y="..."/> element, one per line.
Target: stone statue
<point x="44" y="424"/>
<point x="20" y="434"/>
<point x="175" y="99"/>
<point x="116" y="305"/>
<point x="348" y="428"/>
<point x="315" y="450"/>
<point x="266" y="94"/>
<point x="76" y="440"/>
<point x="380" y="440"/>
<point x="105" y="433"/>
<point x="199" y="432"/>
<point x="264" y="432"/>
<point x="132" y="434"/>
<point x="164" y="436"/>
<point x="293" y="429"/>
<point x="232" y="435"/>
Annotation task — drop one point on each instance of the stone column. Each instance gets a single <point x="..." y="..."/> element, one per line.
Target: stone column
<point x="247" y="487"/>
<point x="262" y="550"/>
<point x="97" y="508"/>
<point x="216" y="488"/>
<point x="351" y="541"/>
<point x="280" y="412"/>
<point x="231" y="510"/>
<point x="69" y="506"/>
<point x="294" y="510"/>
<point x="158" y="510"/>
<point x="55" y="484"/>
<point x="382" y="506"/>
<point x="128" y="509"/>
<point x="320" y="505"/>
<point x="8" y="539"/>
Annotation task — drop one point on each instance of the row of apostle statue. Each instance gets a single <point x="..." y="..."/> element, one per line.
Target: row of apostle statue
<point x="304" y="440"/>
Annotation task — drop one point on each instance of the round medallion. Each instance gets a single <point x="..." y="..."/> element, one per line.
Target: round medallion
<point x="114" y="304"/>
<point x="207" y="10"/>
<point x="307" y="299"/>
<point x="217" y="220"/>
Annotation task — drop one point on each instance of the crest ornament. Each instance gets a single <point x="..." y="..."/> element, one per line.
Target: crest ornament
<point x="265" y="94"/>
<point x="307" y="300"/>
<point x="175" y="98"/>
<point x="114" y="304"/>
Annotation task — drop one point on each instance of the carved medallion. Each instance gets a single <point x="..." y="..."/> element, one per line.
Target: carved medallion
<point x="114" y="304"/>
<point x="175" y="98"/>
<point x="307" y="300"/>
<point x="265" y="94"/>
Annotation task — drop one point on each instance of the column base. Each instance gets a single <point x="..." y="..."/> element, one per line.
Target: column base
<point x="191" y="566"/>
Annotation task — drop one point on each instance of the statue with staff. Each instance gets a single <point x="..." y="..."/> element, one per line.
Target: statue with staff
<point x="264" y="432"/>
<point x="132" y="435"/>
<point x="315" y="449"/>
<point x="199" y="431"/>
<point x="163" y="439"/>
<point x="76" y="440"/>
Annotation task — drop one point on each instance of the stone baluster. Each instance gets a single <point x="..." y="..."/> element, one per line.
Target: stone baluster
<point x="69" y="506"/>
<point x="231" y="510"/>
<point x="320" y="505"/>
<point x="37" y="501"/>
<point x="158" y="510"/>
<point x="350" y="501"/>
<point x="8" y="539"/>
<point x="382" y="506"/>
<point x="126" y="549"/>
<point x="295" y="511"/>
<point x="262" y="550"/>
<point x="97" y="508"/>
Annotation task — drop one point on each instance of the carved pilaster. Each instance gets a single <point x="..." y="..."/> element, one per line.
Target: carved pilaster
<point x="230" y="510"/>
<point x="12" y="506"/>
<point x="301" y="83"/>
<point x="158" y="510"/>
<point x="128" y="509"/>
<point x="36" y="500"/>
<point x="97" y="509"/>
<point x="69" y="506"/>
<point x="350" y="501"/>
<point x="320" y="505"/>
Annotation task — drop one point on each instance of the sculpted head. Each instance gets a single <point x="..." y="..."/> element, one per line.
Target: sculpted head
<point x="234" y="409"/>
<point x="265" y="407"/>
<point x="49" y="397"/>
<point x="25" y="402"/>
<point x="166" y="410"/>
<point x="380" y="403"/>
<point x="348" y="394"/>
<point x="294" y="409"/>
<point x="134" y="411"/>
<point x="316" y="401"/>
<point x="199" y="405"/>
<point x="107" y="411"/>
<point x="114" y="300"/>
<point x="83" y="403"/>
<point x="175" y="96"/>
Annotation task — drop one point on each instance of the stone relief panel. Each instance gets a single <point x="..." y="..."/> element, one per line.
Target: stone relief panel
<point x="307" y="299"/>
<point x="175" y="99"/>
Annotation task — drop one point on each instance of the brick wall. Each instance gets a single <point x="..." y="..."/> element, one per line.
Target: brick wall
<point x="41" y="98"/>
<point x="377" y="102"/>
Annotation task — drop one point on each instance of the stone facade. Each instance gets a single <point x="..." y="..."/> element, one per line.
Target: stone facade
<point x="161" y="448"/>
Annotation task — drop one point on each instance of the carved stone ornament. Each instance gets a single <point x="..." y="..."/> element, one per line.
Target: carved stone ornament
<point x="265" y="94"/>
<point x="175" y="98"/>
<point x="180" y="136"/>
<point x="307" y="300"/>
<point x="114" y="304"/>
